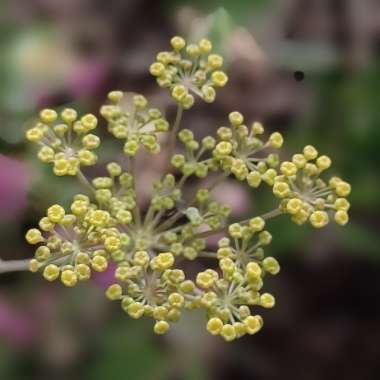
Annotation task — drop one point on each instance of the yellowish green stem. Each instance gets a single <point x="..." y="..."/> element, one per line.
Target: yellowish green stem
<point x="174" y="131"/>
<point x="84" y="181"/>
<point x="14" y="266"/>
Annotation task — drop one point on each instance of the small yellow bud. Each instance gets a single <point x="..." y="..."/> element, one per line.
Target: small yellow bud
<point x="334" y="181"/>
<point x="235" y="230"/>
<point x="179" y="92"/>
<point x="34" y="134"/>
<point x="160" y="312"/>
<point x="157" y="69"/>
<point x="99" y="263"/>
<point x="86" y="157"/>
<point x="69" y="278"/>
<point x="214" y="326"/>
<point x="135" y="310"/>
<point x="177" y="43"/>
<point x="115" y="96"/>
<point x="236" y="118"/>
<point x="42" y="253"/>
<point x="91" y="141"/>
<point x="310" y="152"/>
<point x="69" y="115"/>
<point x="33" y="265"/>
<point x="219" y="78"/>
<point x="240" y="329"/>
<point x="293" y="206"/>
<point x="89" y="122"/>
<point x="112" y="243"/>
<point x="257" y="128"/>
<point x="228" y="332"/>
<point x="299" y="160"/>
<point x="205" y="45"/>
<point x="83" y="271"/>
<point x="288" y="169"/>
<point x="319" y="219"/>
<point x="56" y="213"/>
<point x="271" y="265"/>
<point x="257" y="224"/>
<point x="342" y="204"/>
<point x="51" y="272"/>
<point x="99" y="218"/>
<point x="164" y="260"/>
<point x="61" y="167"/>
<point x="46" y="154"/>
<point x="343" y="189"/>
<point x="48" y="116"/>
<point x="254" y="179"/>
<point x="341" y="217"/>
<point x="141" y="258"/>
<point x="276" y="140"/>
<point x="79" y="207"/>
<point x="161" y="327"/>
<point x="34" y="236"/>
<point x="193" y="50"/>
<point x="205" y="280"/>
<point x="281" y="189"/>
<point x="253" y="324"/>
<point x="114" y="292"/>
<point x="227" y="265"/>
<point x="323" y="162"/>
<point x="187" y="286"/>
<point x="223" y="148"/>
<point x="176" y="300"/>
<point x="209" y="94"/>
<point x="267" y="300"/>
<point x="253" y="271"/>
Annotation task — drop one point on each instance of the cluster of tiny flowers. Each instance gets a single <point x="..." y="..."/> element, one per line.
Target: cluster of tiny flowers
<point x="135" y="123"/>
<point x="188" y="70"/>
<point x="65" y="141"/>
<point x="240" y="151"/>
<point x="151" y="245"/>
<point x="306" y="196"/>
<point x="71" y="245"/>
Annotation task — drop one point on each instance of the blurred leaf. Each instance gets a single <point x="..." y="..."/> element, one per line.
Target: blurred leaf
<point x="127" y="353"/>
<point x="356" y="238"/>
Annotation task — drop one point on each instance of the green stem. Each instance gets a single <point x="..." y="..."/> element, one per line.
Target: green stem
<point x="14" y="265"/>
<point x="84" y="181"/>
<point x="266" y="216"/>
<point x="174" y="131"/>
<point x="136" y="210"/>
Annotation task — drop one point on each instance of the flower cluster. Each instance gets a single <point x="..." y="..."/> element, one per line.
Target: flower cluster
<point x="134" y="122"/>
<point x="152" y="245"/>
<point x="66" y="141"/>
<point x="306" y="196"/>
<point x="188" y="70"/>
<point x="74" y="244"/>
<point x="240" y="151"/>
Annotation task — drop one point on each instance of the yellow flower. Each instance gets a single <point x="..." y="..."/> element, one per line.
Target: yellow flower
<point x="161" y="327"/>
<point x="319" y="219"/>
<point x="33" y="236"/>
<point x="214" y="326"/>
<point x="56" y="213"/>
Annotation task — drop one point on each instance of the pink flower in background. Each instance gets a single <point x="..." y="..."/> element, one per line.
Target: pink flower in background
<point x="233" y="195"/>
<point x="105" y="279"/>
<point x="87" y="78"/>
<point x="15" y="325"/>
<point x="13" y="187"/>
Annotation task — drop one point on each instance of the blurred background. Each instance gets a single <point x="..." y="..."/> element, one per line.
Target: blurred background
<point x="309" y="68"/>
